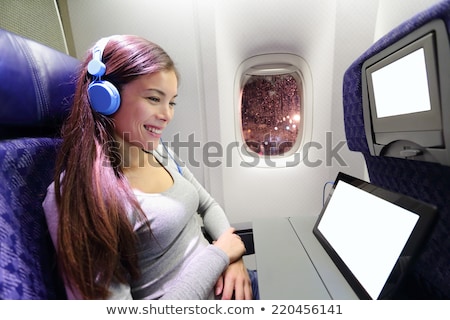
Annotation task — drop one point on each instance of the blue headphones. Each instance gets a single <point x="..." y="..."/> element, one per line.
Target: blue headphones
<point x="103" y="95"/>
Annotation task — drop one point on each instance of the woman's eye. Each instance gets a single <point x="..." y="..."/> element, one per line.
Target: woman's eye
<point x="172" y="104"/>
<point x="154" y="99"/>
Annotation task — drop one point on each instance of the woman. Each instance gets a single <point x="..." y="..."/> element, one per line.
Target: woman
<point x="122" y="218"/>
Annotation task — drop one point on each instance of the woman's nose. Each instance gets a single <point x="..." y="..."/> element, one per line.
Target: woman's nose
<point x="165" y="112"/>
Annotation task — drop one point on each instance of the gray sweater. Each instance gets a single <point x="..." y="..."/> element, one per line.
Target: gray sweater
<point x="179" y="263"/>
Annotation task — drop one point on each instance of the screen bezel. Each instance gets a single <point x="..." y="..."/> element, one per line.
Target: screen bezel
<point x="430" y="119"/>
<point x="426" y="213"/>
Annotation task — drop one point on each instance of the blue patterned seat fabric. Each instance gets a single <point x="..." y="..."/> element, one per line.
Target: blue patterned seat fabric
<point x="36" y="88"/>
<point x="27" y="264"/>
<point x="429" y="277"/>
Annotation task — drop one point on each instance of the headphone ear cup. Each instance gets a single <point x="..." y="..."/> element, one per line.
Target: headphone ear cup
<point x="104" y="97"/>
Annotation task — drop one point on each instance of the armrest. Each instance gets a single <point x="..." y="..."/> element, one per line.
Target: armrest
<point x="245" y="231"/>
<point x="247" y="237"/>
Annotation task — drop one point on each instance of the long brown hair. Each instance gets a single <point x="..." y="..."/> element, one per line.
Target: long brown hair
<point x="96" y="242"/>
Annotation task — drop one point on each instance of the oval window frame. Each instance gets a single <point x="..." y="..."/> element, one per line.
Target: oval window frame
<point x="275" y="64"/>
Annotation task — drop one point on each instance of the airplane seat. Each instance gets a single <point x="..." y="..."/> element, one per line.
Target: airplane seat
<point x="429" y="276"/>
<point x="36" y="88"/>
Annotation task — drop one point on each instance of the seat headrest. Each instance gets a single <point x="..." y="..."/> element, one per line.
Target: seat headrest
<point x="37" y="84"/>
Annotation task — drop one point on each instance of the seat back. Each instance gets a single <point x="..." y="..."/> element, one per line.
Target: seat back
<point x="36" y="88"/>
<point x="27" y="262"/>
<point x="429" y="277"/>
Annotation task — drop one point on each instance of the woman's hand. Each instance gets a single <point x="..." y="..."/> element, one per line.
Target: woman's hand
<point x="234" y="283"/>
<point x="231" y="244"/>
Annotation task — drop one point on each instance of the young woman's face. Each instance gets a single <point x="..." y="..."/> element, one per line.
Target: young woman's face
<point x="147" y="107"/>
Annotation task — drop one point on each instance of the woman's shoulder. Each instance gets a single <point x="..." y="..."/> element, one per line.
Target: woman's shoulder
<point x="51" y="188"/>
<point x="51" y="211"/>
<point x="49" y="203"/>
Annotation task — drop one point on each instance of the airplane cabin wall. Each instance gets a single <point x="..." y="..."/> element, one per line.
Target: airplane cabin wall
<point x="391" y="13"/>
<point x="209" y="39"/>
<point x="312" y="30"/>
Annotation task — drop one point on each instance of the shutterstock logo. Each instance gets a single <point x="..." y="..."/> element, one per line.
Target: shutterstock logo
<point x="213" y="154"/>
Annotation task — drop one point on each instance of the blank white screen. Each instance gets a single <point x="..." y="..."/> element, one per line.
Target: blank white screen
<point x="401" y="87"/>
<point x="367" y="232"/>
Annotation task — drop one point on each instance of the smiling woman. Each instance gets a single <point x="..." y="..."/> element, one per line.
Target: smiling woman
<point x="123" y="220"/>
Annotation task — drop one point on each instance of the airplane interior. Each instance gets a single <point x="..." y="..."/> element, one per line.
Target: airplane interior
<point x="283" y="109"/>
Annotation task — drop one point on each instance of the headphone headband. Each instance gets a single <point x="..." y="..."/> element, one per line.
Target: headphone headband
<point x="99" y="48"/>
<point x="96" y="67"/>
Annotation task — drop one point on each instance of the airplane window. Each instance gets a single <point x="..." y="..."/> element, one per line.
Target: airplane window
<point x="271" y="113"/>
<point x="273" y="110"/>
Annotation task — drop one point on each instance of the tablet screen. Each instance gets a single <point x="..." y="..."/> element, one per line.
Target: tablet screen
<point x="369" y="232"/>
